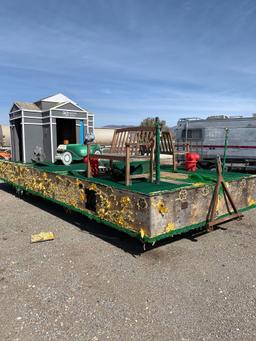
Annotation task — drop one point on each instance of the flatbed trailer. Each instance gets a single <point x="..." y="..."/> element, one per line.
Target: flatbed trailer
<point x="147" y="211"/>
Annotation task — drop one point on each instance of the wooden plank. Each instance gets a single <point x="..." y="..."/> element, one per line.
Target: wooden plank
<point x="164" y="146"/>
<point x="168" y="141"/>
<point x="167" y="149"/>
<point x="140" y="139"/>
<point x="113" y="144"/>
<point x="119" y="136"/>
<point x="140" y="128"/>
<point x="117" y="157"/>
<point x="173" y="154"/>
<point x="120" y="157"/>
<point x="139" y="176"/>
<point x="123" y="142"/>
<point x="133" y="142"/>
<point x="171" y="175"/>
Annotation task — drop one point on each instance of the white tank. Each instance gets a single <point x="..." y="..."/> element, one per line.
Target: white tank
<point x="104" y="136"/>
<point x="5" y="136"/>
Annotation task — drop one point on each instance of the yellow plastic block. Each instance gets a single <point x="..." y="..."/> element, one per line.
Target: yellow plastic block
<point x="42" y="237"/>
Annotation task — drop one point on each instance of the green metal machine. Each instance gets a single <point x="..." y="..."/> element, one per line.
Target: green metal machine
<point x="67" y="153"/>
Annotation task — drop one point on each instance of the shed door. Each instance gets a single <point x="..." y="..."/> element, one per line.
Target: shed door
<point x="66" y="130"/>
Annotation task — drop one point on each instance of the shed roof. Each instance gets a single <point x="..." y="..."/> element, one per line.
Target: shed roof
<point x="27" y="105"/>
<point x="57" y="98"/>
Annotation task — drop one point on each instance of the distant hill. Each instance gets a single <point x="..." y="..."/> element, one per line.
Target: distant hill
<point x="115" y="126"/>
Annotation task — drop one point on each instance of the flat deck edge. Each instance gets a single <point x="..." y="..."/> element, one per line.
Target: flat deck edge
<point x="142" y="238"/>
<point x="74" y="173"/>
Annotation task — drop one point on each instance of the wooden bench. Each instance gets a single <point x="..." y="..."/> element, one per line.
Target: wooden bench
<point x="135" y="144"/>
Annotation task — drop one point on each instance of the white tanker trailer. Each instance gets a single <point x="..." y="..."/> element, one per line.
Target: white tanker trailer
<point x="207" y="137"/>
<point x="104" y="136"/>
<point x="5" y="140"/>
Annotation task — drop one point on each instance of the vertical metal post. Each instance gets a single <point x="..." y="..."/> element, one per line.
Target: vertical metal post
<point x="81" y="132"/>
<point x="127" y="164"/>
<point x="89" y="171"/>
<point x="225" y="149"/>
<point x="23" y="137"/>
<point x="157" y="156"/>
<point x="53" y="143"/>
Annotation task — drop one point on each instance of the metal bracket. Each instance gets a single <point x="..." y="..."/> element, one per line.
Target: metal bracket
<point x="211" y="221"/>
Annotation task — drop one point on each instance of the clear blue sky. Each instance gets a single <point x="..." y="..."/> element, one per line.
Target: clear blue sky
<point x="128" y="59"/>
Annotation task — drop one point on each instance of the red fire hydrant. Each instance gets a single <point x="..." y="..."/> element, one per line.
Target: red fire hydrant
<point x="191" y="160"/>
<point x="94" y="165"/>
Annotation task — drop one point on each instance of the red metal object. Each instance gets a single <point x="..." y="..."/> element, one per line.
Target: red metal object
<point x="191" y="161"/>
<point x="94" y="165"/>
<point x="6" y="155"/>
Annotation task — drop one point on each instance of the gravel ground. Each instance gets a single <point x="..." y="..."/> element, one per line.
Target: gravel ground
<point x="93" y="283"/>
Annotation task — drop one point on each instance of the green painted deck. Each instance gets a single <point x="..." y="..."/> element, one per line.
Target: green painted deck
<point x="200" y="177"/>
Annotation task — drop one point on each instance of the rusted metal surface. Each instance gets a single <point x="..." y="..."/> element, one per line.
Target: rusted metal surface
<point x="189" y="206"/>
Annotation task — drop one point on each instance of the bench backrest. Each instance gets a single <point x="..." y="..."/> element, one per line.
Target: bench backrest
<point x="166" y="143"/>
<point x="139" y="137"/>
<point x="141" y="140"/>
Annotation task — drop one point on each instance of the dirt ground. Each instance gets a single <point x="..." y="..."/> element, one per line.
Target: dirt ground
<point x="93" y="283"/>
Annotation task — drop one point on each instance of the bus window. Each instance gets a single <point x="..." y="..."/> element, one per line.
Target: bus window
<point x="192" y="134"/>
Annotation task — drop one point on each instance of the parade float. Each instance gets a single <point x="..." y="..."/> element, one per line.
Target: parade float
<point x="132" y="190"/>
